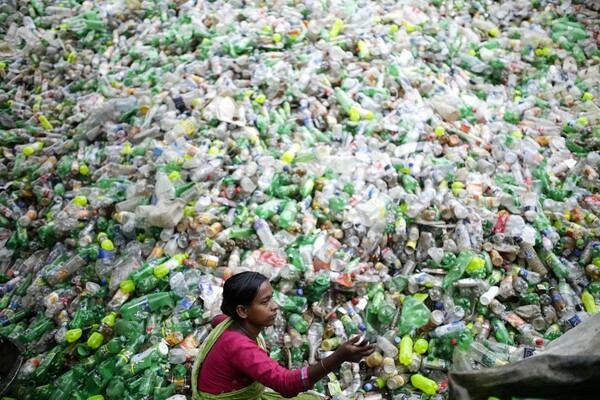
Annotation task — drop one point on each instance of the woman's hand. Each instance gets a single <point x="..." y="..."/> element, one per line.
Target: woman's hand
<point x="348" y="351"/>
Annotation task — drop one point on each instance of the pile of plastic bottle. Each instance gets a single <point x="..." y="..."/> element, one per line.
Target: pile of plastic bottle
<point x="423" y="173"/>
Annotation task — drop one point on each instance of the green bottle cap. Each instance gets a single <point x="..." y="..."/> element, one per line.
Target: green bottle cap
<point x="80" y="200"/>
<point x="82" y="350"/>
<point x="161" y="270"/>
<point x="421" y="346"/>
<point x="127" y="286"/>
<point x="107" y="245"/>
<point x="95" y="340"/>
<point x="73" y="334"/>
<point x="96" y="397"/>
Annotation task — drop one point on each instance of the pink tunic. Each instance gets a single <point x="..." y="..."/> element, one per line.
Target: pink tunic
<point x="236" y="361"/>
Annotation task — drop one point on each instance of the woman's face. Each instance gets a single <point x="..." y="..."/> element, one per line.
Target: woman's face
<point x="263" y="310"/>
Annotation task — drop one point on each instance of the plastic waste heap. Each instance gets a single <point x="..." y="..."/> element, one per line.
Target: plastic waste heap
<point x="422" y="173"/>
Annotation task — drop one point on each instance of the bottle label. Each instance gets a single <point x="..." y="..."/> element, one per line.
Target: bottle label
<point x="190" y="342"/>
<point x="187" y="302"/>
<point x="105" y="254"/>
<point x="557" y="297"/>
<point x="259" y="224"/>
<point x="209" y="261"/>
<point x="514" y="320"/>
<point x="188" y="125"/>
<point x="52" y="298"/>
<point x="574" y="320"/>
<point x="523" y="273"/>
<point x="143" y="309"/>
<point x="489" y="360"/>
<point x="436" y="363"/>
<point x="529" y="253"/>
<point x="583" y="282"/>
<point x="499" y="227"/>
<point x="442" y="330"/>
<point x="528" y="351"/>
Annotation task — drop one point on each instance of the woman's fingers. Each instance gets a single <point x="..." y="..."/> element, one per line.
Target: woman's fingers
<point x="368" y="350"/>
<point x="354" y="339"/>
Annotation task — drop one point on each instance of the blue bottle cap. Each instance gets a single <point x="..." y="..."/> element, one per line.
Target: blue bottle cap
<point x="362" y="327"/>
<point x="300" y="292"/>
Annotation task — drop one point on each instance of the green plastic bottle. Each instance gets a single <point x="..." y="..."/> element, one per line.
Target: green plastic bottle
<point x="457" y="271"/>
<point x="141" y="307"/>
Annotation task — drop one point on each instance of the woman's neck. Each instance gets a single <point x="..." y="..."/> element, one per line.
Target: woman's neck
<point x="247" y="329"/>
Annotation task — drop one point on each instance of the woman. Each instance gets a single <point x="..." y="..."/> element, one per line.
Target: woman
<point x="232" y="363"/>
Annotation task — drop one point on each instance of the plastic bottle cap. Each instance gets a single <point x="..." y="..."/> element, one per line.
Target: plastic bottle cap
<point x="127" y="286"/>
<point x="163" y="349"/>
<point x="73" y="334"/>
<point x="84" y="169"/>
<point x="29" y="150"/>
<point x="80" y="201"/>
<point x="354" y="115"/>
<point x="107" y="245"/>
<point x="421" y="346"/>
<point x="174" y="175"/>
<point x="260" y="99"/>
<point x="161" y="271"/>
<point x="95" y="340"/>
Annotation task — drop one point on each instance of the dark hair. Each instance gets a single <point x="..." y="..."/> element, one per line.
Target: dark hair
<point x="240" y="289"/>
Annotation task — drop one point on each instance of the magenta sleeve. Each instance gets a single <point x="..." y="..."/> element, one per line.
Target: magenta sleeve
<point x="254" y="362"/>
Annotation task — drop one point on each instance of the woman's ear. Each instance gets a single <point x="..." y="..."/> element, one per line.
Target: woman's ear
<point x="242" y="311"/>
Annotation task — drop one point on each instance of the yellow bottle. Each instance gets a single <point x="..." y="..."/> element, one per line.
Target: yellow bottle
<point x="589" y="302"/>
<point x="425" y="384"/>
<point x="406" y="347"/>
